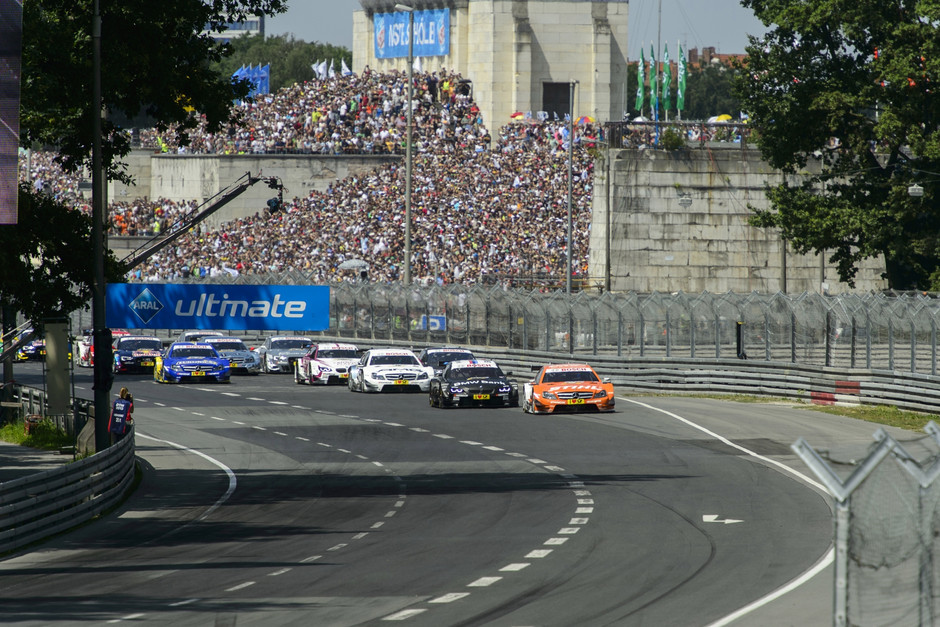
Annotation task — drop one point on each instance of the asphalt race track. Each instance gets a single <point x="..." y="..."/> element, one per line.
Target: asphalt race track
<point x="264" y="502"/>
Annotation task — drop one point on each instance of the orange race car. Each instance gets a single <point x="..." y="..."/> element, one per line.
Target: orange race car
<point x="567" y="388"/>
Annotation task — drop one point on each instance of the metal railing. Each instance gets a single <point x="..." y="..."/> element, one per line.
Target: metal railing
<point x="869" y="331"/>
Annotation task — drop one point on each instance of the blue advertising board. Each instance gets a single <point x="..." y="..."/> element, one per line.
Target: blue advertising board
<point x="431" y="36"/>
<point x="224" y="307"/>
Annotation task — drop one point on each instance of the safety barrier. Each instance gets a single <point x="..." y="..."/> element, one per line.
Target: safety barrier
<point x="43" y="504"/>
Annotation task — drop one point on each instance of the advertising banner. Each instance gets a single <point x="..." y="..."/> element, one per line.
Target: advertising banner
<point x="221" y="307"/>
<point x="11" y="34"/>
<point x="432" y="34"/>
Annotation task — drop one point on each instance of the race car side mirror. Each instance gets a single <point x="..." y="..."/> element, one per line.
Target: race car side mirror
<point x="605" y="380"/>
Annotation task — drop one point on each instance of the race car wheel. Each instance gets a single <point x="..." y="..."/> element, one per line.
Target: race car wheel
<point x="431" y="400"/>
<point x="527" y="406"/>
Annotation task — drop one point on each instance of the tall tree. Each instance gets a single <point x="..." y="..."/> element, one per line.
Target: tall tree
<point x="156" y="62"/>
<point x="290" y="58"/>
<point x="844" y="94"/>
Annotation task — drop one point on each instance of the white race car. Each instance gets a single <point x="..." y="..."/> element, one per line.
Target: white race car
<point x="389" y="368"/>
<point x="326" y="363"/>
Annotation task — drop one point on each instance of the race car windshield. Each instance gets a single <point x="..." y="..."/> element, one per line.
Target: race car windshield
<point x="436" y="359"/>
<point x="229" y="345"/>
<point x="394" y="360"/>
<point x="288" y="344"/>
<point x="194" y="351"/>
<point x="466" y="374"/>
<point x="337" y="354"/>
<point x="558" y="376"/>
<point x="136" y="345"/>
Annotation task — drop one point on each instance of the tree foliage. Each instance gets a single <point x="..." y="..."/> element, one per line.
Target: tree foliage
<point x="46" y="269"/>
<point x="155" y="61"/>
<point x="709" y="91"/>
<point x="290" y="59"/>
<point x="844" y="97"/>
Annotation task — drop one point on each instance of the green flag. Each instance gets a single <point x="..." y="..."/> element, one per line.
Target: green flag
<point x="667" y="80"/>
<point x="641" y="83"/>
<point x="683" y="74"/>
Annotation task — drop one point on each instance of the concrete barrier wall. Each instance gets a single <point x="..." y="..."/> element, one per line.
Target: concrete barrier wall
<point x="201" y="177"/>
<point x="679" y="221"/>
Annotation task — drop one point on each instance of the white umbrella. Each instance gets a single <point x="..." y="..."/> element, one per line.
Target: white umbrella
<point x="353" y="264"/>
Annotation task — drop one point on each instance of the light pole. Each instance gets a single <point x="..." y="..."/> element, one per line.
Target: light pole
<point x="570" y="159"/>
<point x="411" y="69"/>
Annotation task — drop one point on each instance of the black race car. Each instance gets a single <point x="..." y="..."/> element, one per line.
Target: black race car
<point x="471" y="383"/>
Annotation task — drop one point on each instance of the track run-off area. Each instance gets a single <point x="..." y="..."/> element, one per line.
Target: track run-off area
<point x="264" y="502"/>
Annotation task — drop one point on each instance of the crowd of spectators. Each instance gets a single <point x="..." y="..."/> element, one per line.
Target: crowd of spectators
<point x="481" y="208"/>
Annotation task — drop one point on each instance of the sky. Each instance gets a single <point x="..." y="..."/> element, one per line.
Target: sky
<point x="723" y="24"/>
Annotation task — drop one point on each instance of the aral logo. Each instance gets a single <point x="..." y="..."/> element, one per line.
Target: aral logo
<point x="146" y="306"/>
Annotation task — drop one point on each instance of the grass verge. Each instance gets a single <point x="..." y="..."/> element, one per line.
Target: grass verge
<point x="43" y="435"/>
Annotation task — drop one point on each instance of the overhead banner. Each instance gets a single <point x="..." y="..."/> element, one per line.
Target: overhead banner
<point x="432" y="34"/>
<point x="11" y="35"/>
<point x="222" y="307"/>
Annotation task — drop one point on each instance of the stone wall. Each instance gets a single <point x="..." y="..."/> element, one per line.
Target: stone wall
<point x="679" y="222"/>
<point x="201" y="177"/>
<point x="510" y="49"/>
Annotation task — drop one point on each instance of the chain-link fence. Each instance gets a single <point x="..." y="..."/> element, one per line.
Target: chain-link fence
<point x="887" y="530"/>
<point x="871" y="331"/>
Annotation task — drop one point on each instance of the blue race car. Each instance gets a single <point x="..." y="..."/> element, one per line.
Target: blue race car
<point x="191" y="361"/>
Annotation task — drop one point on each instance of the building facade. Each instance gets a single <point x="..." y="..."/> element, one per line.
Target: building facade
<point x="520" y="55"/>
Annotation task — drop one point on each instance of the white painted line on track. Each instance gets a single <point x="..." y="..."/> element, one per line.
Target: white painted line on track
<point x="538" y="554"/>
<point x="471" y="443"/>
<point x="254" y="398"/>
<point x="299" y="407"/>
<point x="238" y="422"/>
<point x="230" y="394"/>
<point x="217" y="418"/>
<point x="228" y="471"/>
<point x="258" y="428"/>
<point x="337" y="547"/>
<point x="559" y="469"/>
<point x="312" y="558"/>
<point x="361" y="456"/>
<point x="360" y="535"/>
<point x="279" y="572"/>
<point x="535" y="460"/>
<point x="517" y="454"/>
<point x="342" y="450"/>
<point x="240" y="586"/>
<point x="178" y="409"/>
<point x="389" y="514"/>
<point x="404" y="614"/>
<point x="512" y="568"/>
<point x="585" y="501"/>
<point x="379" y="464"/>
<point x="555" y="541"/>
<point x="584" y="510"/>
<point x="568" y="531"/>
<point x="578" y="521"/>
<point x="450" y="597"/>
<point x="196" y="413"/>
<point x="483" y="582"/>
<point x="823" y="562"/>
<point x="325" y="444"/>
<point x="280" y="433"/>
<point x="393" y="424"/>
<point x="419" y="430"/>
<point x="376" y="525"/>
<point x="128" y="617"/>
<point x="277" y="403"/>
<point x="206" y="390"/>
<point x="302" y="439"/>
<point x="347" y="416"/>
<point x="493" y="448"/>
<point x="184" y="602"/>
<point x="159" y="404"/>
<point x="443" y="436"/>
